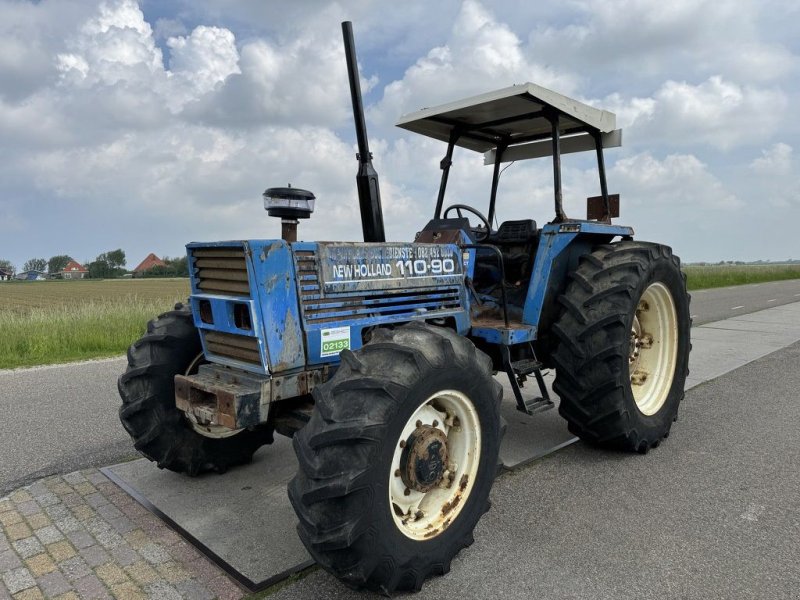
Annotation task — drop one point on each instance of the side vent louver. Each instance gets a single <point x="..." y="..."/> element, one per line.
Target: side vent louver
<point x="221" y="271"/>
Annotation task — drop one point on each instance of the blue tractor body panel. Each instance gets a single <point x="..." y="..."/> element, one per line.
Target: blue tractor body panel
<point x="267" y="306"/>
<point x="270" y="307"/>
<point x="561" y="244"/>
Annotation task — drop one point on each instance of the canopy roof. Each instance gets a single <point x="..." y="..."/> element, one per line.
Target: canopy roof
<point x="516" y="114"/>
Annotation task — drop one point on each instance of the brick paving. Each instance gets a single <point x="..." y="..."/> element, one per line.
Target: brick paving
<point x="79" y="536"/>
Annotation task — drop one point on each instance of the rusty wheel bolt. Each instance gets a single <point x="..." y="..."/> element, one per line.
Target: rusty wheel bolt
<point x="435" y="423"/>
<point x="402" y="443"/>
<point x="419" y="423"/>
<point x="407" y="492"/>
<point x="397" y="472"/>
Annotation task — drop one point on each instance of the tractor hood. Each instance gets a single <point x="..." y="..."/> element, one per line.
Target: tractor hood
<point x="269" y="306"/>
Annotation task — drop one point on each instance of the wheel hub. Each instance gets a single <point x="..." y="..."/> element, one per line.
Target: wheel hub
<point x="653" y="348"/>
<point x="424" y="458"/>
<point x="435" y="465"/>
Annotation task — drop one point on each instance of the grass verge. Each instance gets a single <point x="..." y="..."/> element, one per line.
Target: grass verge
<point x="701" y="277"/>
<point x="62" y="334"/>
<point x="46" y="322"/>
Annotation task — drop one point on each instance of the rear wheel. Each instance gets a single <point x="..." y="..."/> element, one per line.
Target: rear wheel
<point x="622" y="355"/>
<point x="161" y="431"/>
<point x="398" y="459"/>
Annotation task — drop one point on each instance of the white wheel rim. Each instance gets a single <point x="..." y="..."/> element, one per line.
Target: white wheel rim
<point x="216" y="432"/>
<point x="424" y="515"/>
<point x="653" y="349"/>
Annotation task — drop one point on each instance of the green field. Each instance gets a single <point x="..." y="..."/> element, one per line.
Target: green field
<point x="44" y="322"/>
<point x="714" y="276"/>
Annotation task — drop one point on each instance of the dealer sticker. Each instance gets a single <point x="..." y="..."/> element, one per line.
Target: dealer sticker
<point x="334" y="341"/>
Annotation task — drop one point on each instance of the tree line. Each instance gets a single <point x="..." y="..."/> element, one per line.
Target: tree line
<point x="108" y="265"/>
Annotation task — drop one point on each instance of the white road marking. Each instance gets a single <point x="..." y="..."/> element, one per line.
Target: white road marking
<point x="772" y="300"/>
<point x="796" y="295"/>
<point x="737" y="307"/>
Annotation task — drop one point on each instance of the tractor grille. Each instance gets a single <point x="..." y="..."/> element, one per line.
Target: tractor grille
<point x="366" y="304"/>
<point x="236" y="347"/>
<point x="221" y="271"/>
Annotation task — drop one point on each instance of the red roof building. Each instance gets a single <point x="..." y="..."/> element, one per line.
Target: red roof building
<point x="74" y="270"/>
<point x="149" y="262"/>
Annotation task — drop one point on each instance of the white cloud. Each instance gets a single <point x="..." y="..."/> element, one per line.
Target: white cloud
<point x="716" y="112"/>
<point x="481" y="54"/>
<point x="205" y="58"/>
<point x="775" y="160"/>
<point x="117" y="44"/>
<point x="680" y="180"/>
<point x="621" y="37"/>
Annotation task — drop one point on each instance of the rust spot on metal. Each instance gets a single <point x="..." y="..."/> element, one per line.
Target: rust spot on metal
<point x="462" y="484"/>
<point x="449" y="506"/>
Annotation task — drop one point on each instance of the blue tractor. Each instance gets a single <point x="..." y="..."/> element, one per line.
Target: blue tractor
<point x="378" y="357"/>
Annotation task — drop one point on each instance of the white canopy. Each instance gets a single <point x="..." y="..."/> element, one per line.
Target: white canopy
<point x="517" y="115"/>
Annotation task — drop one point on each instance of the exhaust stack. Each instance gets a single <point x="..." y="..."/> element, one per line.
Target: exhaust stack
<point x="369" y="193"/>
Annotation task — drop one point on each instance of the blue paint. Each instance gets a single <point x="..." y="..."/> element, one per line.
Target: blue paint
<point x="554" y="240"/>
<point x="275" y="287"/>
<point x="290" y="306"/>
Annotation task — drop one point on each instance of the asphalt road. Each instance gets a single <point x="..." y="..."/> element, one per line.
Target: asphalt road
<point x="712" y="513"/>
<point x="58" y="419"/>
<point x="62" y="418"/>
<point x="723" y="303"/>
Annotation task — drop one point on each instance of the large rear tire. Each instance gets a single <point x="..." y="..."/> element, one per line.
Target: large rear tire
<point x="160" y="431"/>
<point x="622" y="354"/>
<point x="398" y="459"/>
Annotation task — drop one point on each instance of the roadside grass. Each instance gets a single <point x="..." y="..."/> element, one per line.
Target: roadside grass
<point x="61" y="321"/>
<point x="701" y="277"/>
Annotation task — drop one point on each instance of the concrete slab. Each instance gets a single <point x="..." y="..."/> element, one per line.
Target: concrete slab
<point x="531" y="437"/>
<point x="755" y="326"/>
<point x="243" y="520"/>
<point x="770" y="340"/>
<point x="722" y="346"/>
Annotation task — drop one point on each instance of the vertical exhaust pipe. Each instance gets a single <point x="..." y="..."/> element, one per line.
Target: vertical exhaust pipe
<point x="369" y="193"/>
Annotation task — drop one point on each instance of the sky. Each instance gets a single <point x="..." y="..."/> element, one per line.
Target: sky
<point x="144" y="125"/>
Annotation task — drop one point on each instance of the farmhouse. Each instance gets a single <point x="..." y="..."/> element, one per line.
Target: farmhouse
<point x="74" y="270"/>
<point x="148" y="263"/>
<point x="5" y="275"/>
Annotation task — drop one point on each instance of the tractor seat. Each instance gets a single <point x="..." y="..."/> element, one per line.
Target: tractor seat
<point x="516" y="233"/>
<point x="517" y="241"/>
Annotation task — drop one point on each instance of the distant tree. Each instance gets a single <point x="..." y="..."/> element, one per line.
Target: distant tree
<point x="115" y="258"/>
<point x="107" y="265"/>
<point x="98" y="269"/>
<point x="56" y="264"/>
<point x="35" y="264"/>
<point x="6" y="265"/>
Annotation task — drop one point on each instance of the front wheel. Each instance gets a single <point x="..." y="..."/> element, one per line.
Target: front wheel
<point x="398" y="459"/>
<point x="160" y="431"/>
<point x="622" y="354"/>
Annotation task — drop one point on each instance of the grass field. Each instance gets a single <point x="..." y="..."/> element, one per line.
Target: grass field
<point x="47" y="322"/>
<point x="713" y="276"/>
<point x="44" y="322"/>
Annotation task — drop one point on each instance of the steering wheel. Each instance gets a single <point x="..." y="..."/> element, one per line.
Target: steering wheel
<point x="480" y="234"/>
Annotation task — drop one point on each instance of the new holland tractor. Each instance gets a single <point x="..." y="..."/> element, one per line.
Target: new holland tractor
<point x="378" y="357"/>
